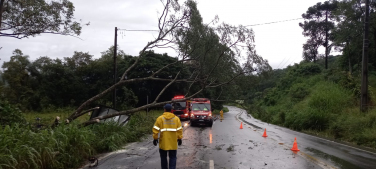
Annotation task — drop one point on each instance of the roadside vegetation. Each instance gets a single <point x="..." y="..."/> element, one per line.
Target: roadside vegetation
<point x="321" y="94"/>
<point x="47" y="116"/>
<point x="322" y="102"/>
<point x="216" y="111"/>
<point x="24" y="146"/>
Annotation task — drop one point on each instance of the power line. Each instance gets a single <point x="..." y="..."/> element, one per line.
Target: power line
<point x="287" y="61"/>
<point x="122" y="31"/>
<point x="139" y="30"/>
<point x="275" y="22"/>
<point x="292" y="61"/>
<point x="281" y="62"/>
<point x="152" y="30"/>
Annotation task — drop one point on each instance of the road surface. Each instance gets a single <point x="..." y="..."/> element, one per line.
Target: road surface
<point x="225" y="146"/>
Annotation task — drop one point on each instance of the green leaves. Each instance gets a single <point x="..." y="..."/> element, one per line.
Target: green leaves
<point x="9" y="114"/>
<point x="15" y="74"/>
<point x="67" y="146"/>
<point x="318" y="28"/>
<point x="22" y="19"/>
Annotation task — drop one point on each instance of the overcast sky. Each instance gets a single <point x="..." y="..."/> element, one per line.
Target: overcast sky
<point x="279" y="43"/>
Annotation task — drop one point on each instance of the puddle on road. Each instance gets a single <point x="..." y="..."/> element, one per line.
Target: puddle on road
<point x="337" y="161"/>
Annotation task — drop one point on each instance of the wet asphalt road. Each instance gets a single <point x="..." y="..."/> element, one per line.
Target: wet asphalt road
<point x="326" y="153"/>
<point x="226" y="146"/>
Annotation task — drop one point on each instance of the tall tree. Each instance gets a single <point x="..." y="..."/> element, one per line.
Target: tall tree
<point x="318" y="28"/>
<point x="25" y="18"/>
<point x="16" y="75"/>
<point x="347" y="34"/>
<point x="174" y="21"/>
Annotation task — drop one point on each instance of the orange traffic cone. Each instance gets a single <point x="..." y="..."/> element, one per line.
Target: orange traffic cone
<point x="295" y="146"/>
<point x="264" y="135"/>
<point x="241" y="125"/>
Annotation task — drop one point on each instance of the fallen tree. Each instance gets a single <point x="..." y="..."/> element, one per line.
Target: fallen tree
<point x="209" y="51"/>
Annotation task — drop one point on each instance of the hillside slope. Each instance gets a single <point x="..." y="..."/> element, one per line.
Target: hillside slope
<point x="322" y="102"/>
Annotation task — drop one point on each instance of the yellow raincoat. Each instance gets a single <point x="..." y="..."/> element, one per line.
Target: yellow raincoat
<point x="221" y="113"/>
<point x="171" y="130"/>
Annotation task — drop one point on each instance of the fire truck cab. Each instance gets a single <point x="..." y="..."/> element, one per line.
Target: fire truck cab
<point x="201" y="112"/>
<point x="180" y="108"/>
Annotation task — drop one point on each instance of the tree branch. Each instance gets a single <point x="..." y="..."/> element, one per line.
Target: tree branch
<point x="128" y="112"/>
<point x="169" y="84"/>
<point x="17" y="35"/>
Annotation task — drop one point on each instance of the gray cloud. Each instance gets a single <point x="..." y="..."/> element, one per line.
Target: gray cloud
<point x="275" y="42"/>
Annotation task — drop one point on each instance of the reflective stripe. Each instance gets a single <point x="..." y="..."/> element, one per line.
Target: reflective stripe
<point x="168" y="129"/>
<point x="168" y="119"/>
<point x="156" y="127"/>
<point x="179" y="128"/>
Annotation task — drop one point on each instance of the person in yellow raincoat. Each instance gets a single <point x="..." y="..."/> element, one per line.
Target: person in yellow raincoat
<point x="171" y="133"/>
<point x="221" y="114"/>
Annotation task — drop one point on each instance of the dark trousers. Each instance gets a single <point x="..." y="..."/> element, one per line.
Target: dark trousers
<point x="172" y="157"/>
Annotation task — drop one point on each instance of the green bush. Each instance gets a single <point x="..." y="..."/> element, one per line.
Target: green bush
<point x="355" y="126"/>
<point x="297" y="74"/>
<point x="298" y="91"/>
<point x="320" y="102"/>
<point x="67" y="146"/>
<point x="225" y="109"/>
<point x="329" y="98"/>
<point x="260" y="113"/>
<point x="10" y="114"/>
<point x="307" y="69"/>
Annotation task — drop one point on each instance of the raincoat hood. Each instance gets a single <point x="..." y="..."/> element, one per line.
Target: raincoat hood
<point x="168" y="115"/>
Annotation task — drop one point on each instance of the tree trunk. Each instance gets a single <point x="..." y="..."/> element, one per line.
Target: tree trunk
<point x="364" y="88"/>
<point x="349" y="56"/>
<point x="314" y="58"/>
<point x="1" y="11"/>
<point x="374" y="38"/>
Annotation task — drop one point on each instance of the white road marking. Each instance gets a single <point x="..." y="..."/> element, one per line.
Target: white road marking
<point x="211" y="166"/>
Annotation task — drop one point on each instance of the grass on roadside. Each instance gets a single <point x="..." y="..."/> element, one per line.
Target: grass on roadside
<point x="329" y="110"/>
<point x="47" y="117"/>
<point x="67" y="146"/>
<point x="225" y="110"/>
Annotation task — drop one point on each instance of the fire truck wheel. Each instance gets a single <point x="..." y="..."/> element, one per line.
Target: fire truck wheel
<point x="192" y="124"/>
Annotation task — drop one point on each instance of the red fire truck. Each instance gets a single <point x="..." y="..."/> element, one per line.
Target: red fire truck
<point x="201" y="112"/>
<point x="180" y="108"/>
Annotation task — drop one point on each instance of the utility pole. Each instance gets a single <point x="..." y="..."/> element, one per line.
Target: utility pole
<point x="364" y="89"/>
<point x="115" y="75"/>
<point x="326" y="40"/>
